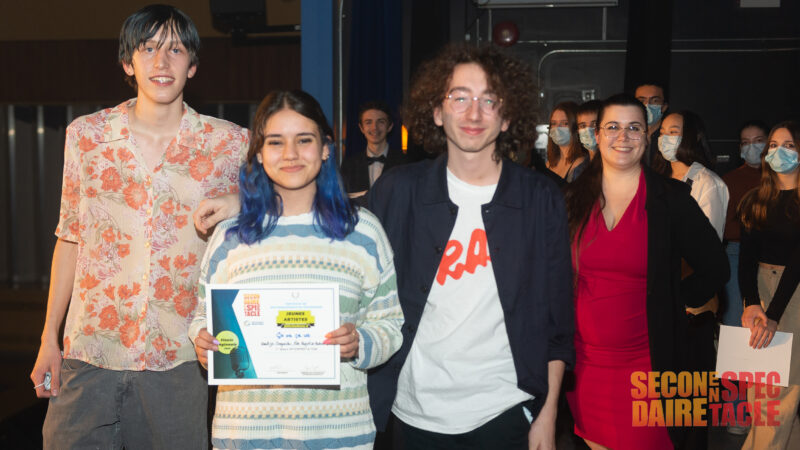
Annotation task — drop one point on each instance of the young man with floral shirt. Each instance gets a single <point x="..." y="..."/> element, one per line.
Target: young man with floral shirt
<point x="127" y="259"/>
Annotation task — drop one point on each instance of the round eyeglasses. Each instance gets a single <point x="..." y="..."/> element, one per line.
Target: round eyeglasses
<point x="613" y="130"/>
<point x="488" y="104"/>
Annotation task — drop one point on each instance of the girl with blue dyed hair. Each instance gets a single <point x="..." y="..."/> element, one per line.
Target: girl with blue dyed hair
<point x="296" y="225"/>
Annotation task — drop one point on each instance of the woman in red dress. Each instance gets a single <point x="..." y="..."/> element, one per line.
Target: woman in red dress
<point x="630" y="228"/>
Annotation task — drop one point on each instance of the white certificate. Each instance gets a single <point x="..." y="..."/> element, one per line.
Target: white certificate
<point x="273" y="334"/>
<point x="735" y="356"/>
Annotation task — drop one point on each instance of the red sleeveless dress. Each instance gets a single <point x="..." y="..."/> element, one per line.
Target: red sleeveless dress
<point x="611" y="338"/>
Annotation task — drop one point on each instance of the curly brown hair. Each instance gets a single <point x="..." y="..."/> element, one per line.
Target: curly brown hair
<point x="510" y="78"/>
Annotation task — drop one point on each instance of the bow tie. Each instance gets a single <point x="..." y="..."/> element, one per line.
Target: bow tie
<point x="381" y="159"/>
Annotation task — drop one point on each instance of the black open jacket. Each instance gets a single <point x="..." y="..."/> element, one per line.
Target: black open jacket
<point x="677" y="228"/>
<point x="528" y="240"/>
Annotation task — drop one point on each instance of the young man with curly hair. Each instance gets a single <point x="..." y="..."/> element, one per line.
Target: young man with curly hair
<point x="126" y="262"/>
<point x="483" y="266"/>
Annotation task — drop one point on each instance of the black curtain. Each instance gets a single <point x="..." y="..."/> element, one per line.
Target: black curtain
<point x="649" y="43"/>
<point x="375" y="71"/>
<point x="429" y="32"/>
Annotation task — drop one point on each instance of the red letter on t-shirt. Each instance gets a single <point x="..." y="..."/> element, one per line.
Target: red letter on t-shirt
<point x="477" y="255"/>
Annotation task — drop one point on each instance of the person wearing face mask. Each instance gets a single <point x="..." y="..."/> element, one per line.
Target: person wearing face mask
<point x="565" y="155"/>
<point x="587" y="124"/>
<point x="653" y="96"/>
<point x="769" y="272"/>
<point x="684" y="155"/>
<point x="752" y="141"/>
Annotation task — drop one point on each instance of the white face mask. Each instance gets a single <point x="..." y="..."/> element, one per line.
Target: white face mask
<point x="668" y="146"/>
<point x="560" y="135"/>
<point x="653" y="114"/>
<point x="588" y="138"/>
<point x="751" y="153"/>
<point x="781" y="159"/>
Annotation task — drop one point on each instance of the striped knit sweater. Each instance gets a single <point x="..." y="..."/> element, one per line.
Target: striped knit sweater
<point x="250" y="417"/>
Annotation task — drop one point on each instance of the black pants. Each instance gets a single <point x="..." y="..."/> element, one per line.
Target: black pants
<point x="392" y="437"/>
<point x="509" y="430"/>
<point x="702" y="357"/>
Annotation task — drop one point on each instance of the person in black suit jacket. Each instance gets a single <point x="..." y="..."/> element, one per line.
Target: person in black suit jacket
<point x="360" y="171"/>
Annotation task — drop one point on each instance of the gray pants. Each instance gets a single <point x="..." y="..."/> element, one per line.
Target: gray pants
<point x="110" y="409"/>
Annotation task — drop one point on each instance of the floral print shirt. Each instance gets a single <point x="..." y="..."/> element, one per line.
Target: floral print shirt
<point x="135" y="290"/>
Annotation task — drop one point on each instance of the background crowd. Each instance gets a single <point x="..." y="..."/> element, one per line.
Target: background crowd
<point x="470" y="281"/>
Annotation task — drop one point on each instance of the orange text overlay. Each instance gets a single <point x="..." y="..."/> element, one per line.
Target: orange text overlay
<point x="701" y="398"/>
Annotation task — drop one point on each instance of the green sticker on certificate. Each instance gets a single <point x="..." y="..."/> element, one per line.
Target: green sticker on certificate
<point x="228" y="341"/>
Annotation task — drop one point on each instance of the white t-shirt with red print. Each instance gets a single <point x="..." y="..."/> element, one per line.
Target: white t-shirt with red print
<point x="459" y="373"/>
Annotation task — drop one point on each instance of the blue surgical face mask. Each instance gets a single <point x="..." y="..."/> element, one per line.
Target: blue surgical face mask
<point x="653" y="114"/>
<point x="588" y="138"/>
<point x="668" y="146"/>
<point x="560" y="135"/>
<point x="751" y="153"/>
<point x="782" y="159"/>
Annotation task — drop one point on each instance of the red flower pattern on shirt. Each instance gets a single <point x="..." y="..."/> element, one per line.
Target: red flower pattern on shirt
<point x="181" y="221"/>
<point x="123" y="250"/>
<point x="124" y="155"/>
<point x="125" y="293"/>
<point x="89" y="282"/>
<point x="163" y="288"/>
<point x="109" y="235"/>
<point x="177" y="154"/>
<point x="159" y="343"/>
<point x="135" y="195"/>
<point x="86" y="144"/>
<point x="168" y="207"/>
<point x="111" y="180"/>
<point x="134" y="294"/>
<point x="129" y="332"/>
<point x="185" y="302"/>
<point x="108" y="318"/>
<point x="200" y="167"/>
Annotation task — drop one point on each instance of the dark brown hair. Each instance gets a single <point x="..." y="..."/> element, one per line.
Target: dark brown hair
<point x="298" y="101"/>
<point x="509" y="78"/>
<point x="590" y="107"/>
<point x="756" y="204"/>
<point x="142" y="25"/>
<point x="582" y="194"/>
<point x="575" y="148"/>
<point x="376" y="105"/>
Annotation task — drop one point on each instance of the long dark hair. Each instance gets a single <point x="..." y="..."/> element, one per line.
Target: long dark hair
<point x="756" y="204"/>
<point x="582" y="194"/>
<point x="693" y="147"/>
<point x="334" y="214"/>
<point x="575" y="148"/>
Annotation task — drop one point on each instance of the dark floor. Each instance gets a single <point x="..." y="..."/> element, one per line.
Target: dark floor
<point x="21" y="413"/>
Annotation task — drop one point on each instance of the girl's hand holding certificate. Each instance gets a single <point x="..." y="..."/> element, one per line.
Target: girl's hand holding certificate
<point x="346" y="336"/>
